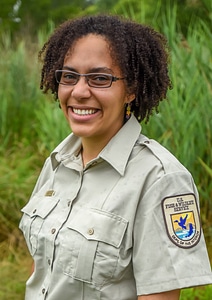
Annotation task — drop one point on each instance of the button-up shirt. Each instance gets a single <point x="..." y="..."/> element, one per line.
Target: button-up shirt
<point x="108" y="230"/>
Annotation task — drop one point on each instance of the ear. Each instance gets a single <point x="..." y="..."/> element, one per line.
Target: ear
<point x="130" y="98"/>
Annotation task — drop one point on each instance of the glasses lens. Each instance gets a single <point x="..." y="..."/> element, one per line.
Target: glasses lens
<point x="99" y="80"/>
<point x="93" y="79"/>
<point x="66" y="77"/>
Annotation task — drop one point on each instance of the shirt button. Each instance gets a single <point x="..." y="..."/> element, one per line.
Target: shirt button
<point x="49" y="261"/>
<point x="43" y="291"/>
<point x="90" y="231"/>
<point x="53" y="230"/>
<point x="34" y="211"/>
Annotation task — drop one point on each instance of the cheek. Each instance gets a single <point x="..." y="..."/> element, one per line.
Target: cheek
<point x="60" y="94"/>
<point x="63" y="94"/>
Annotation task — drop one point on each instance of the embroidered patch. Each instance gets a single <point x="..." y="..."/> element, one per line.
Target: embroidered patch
<point x="182" y="220"/>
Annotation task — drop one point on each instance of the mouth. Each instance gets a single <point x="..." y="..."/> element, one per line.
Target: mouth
<point x="84" y="112"/>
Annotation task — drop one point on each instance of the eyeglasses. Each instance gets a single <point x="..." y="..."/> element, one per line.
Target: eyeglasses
<point x="96" y="80"/>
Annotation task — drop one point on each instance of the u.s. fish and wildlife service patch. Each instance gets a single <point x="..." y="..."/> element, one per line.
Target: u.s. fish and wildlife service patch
<point x="182" y="220"/>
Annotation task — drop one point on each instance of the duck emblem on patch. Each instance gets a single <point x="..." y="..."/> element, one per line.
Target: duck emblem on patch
<point x="182" y="220"/>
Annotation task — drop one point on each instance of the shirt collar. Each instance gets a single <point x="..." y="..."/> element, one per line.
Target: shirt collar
<point x="68" y="149"/>
<point x="116" y="152"/>
<point x="119" y="148"/>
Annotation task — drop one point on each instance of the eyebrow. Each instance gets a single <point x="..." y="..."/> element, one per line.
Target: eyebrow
<point x="93" y="70"/>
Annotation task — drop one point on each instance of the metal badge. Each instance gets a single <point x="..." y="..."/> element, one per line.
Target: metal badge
<point x="50" y="193"/>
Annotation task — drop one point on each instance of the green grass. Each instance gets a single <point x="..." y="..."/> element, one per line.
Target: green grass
<point x="14" y="271"/>
<point x="200" y="293"/>
<point x="32" y="124"/>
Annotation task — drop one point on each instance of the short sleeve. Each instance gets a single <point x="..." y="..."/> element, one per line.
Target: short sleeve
<point x="159" y="263"/>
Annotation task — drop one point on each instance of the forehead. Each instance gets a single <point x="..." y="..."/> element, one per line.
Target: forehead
<point x="88" y="39"/>
<point x="90" y="49"/>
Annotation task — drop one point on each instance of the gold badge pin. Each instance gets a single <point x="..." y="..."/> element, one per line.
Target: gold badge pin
<point x="50" y="193"/>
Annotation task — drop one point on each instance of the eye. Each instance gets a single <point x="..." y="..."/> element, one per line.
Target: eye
<point x="69" y="76"/>
<point x="100" y="78"/>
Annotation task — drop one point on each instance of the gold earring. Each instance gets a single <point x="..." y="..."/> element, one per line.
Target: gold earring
<point x="128" y="111"/>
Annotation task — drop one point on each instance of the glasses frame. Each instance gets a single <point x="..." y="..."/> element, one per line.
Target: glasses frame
<point x="112" y="78"/>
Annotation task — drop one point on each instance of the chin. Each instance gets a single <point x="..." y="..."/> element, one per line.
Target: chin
<point x="80" y="133"/>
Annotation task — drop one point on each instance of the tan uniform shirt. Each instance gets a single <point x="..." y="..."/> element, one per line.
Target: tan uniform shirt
<point x="125" y="225"/>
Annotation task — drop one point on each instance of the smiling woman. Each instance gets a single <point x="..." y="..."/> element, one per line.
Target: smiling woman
<point x="103" y="220"/>
<point x="95" y="113"/>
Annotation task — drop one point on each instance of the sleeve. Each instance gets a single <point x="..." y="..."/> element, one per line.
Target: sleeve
<point x="169" y="248"/>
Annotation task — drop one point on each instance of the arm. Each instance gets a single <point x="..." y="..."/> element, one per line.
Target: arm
<point x="171" y="295"/>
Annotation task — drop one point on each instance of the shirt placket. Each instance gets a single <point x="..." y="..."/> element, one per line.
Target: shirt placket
<point x="57" y="222"/>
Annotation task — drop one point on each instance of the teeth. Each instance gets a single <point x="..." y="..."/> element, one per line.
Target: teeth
<point x="83" y="112"/>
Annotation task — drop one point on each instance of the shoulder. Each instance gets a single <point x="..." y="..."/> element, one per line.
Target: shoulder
<point x="164" y="173"/>
<point x="155" y="153"/>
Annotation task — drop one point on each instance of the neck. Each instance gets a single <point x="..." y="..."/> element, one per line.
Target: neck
<point x="91" y="149"/>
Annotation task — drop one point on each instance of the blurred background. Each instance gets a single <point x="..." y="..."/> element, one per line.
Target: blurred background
<point x="31" y="124"/>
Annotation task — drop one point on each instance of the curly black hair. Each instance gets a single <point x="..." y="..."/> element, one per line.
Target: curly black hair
<point x="141" y="53"/>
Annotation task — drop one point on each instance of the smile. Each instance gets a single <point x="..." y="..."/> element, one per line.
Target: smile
<point x="84" y="112"/>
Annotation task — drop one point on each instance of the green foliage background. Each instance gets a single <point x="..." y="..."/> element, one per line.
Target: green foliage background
<point x="31" y="124"/>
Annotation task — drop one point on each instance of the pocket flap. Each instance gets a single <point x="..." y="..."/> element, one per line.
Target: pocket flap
<point x="99" y="225"/>
<point x="40" y="206"/>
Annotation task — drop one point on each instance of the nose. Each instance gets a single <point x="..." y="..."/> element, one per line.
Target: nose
<point x="81" y="89"/>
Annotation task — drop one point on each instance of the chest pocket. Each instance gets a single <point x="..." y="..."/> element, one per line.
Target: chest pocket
<point x="91" y="245"/>
<point x="35" y="212"/>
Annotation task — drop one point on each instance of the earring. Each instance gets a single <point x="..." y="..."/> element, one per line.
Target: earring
<point x="128" y="111"/>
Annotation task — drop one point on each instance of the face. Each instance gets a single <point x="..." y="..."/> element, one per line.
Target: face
<point x="93" y="113"/>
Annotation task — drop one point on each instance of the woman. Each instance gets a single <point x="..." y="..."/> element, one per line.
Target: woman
<point x="113" y="215"/>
